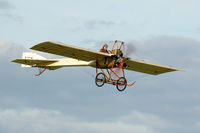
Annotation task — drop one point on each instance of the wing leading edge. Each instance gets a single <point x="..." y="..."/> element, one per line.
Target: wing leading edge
<point x="69" y="51"/>
<point x="148" y="68"/>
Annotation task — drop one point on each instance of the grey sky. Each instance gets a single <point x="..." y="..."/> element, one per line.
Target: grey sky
<point x="170" y="100"/>
<point x="67" y="100"/>
<point x="4" y="4"/>
<point x="133" y="19"/>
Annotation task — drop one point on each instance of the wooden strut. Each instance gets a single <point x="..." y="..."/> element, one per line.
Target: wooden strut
<point x="109" y="76"/>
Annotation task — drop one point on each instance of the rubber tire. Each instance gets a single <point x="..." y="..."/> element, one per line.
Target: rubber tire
<point x="125" y="81"/>
<point x="97" y="79"/>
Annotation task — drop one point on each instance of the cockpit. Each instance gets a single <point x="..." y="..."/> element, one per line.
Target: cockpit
<point x="117" y="49"/>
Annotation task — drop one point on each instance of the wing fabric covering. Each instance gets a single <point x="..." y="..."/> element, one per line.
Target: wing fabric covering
<point x="82" y="54"/>
<point x="34" y="62"/>
<point x="37" y="63"/>
<point x="69" y="51"/>
<point x="148" y="68"/>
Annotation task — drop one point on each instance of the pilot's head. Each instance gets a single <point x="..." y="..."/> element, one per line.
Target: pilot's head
<point x="105" y="46"/>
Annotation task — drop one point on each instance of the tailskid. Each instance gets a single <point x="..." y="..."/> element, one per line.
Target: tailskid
<point x="41" y="71"/>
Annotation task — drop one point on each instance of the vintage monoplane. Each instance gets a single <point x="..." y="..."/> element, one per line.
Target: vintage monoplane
<point x="109" y="65"/>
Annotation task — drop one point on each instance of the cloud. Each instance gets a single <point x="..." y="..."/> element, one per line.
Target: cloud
<point x="145" y="118"/>
<point x="7" y="11"/>
<point x="95" y="24"/>
<point x="10" y="49"/>
<point x="69" y="97"/>
<point x="4" y="5"/>
<point x="34" y="120"/>
<point x="169" y="50"/>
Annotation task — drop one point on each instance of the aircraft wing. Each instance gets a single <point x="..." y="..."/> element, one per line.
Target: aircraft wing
<point x="148" y="68"/>
<point x="69" y="51"/>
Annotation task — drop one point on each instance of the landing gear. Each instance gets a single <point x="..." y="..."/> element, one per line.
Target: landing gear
<point x="114" y="76"/>
<point x="121" y="84"/>
<point x="111" y="77"/>
<point x="100" y="79"/>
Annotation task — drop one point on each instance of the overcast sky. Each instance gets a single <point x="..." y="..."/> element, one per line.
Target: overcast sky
<point x="66" y="100"/>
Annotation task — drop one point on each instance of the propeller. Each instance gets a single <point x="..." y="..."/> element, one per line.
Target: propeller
<point x="129" y="49"/>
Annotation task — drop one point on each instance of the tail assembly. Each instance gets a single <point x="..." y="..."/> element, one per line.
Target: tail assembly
<point x="31" y="56"/>
<point x="30" y="59"/>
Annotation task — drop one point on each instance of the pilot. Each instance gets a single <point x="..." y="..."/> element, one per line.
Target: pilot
<point x="104" y="49"/>
<point x="118" y="58"/>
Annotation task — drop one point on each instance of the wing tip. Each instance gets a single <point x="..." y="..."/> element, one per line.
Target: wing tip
<point x="182" y="70"/>
<point x="15" y="60"/>
<point x="35" y="46"/>
<point x="177" y="69"/>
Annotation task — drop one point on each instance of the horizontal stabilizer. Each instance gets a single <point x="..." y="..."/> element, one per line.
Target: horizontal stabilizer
<point x="34" y="62"/>
<point x="53" y="64"/>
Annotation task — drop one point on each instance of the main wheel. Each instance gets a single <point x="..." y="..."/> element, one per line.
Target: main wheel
<point x="121" y="84"/>
<point x="100" y="79"/>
